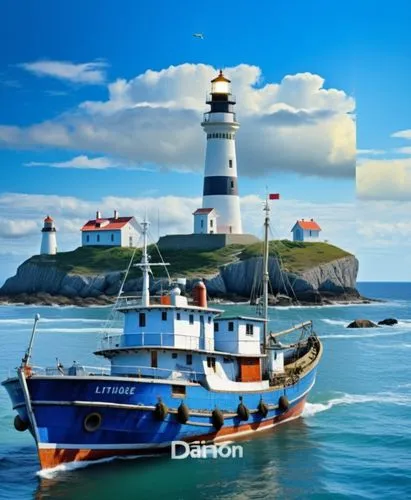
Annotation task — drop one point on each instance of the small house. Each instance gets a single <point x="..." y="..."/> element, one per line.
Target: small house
<point x="306" y="230"/>
<point x="113" y="231"/>
<point x="205" y="221"/>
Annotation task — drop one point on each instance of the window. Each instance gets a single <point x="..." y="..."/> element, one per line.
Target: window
<point x="310" y="233"/>
<point x="231" y="326"/>
<point x="174" y="355"/>
<point x="154" y="359"/>
<point x="216" y="325"/>
<point x="130" y="241"/>
<point x="211" y="362"/>
<point x="231" y="229"/>
<point x="178" y="391"/>
<point x="191" y="319"/>
<point x="211" y="222"/>
<point x="227" y="360"/>
<point x="249" y="329"/>
<point x="164" y="316"/>
<point x="142" y="319"/>
<point x="202" y="223"/>
<point x="88" y="238"/>
<point x="232" y="184"/>
<point x="209" y="320"/>
<point x="178" y="316"/>
<point x="189" y="359"/>
<point x="112" y="237"/>
<point x="230" y="163"/>
<point x="98" y="237"/>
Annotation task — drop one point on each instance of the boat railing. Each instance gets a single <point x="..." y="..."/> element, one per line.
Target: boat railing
<point x="180" y="372"/>
<point x="157" y="339"/>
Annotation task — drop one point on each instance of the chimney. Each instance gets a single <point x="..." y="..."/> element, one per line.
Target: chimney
<point x="312" y="220"/>
<point x="115" y="214"/>
<point x="98" y="214"/>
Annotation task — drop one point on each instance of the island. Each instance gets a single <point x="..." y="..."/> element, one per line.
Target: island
<point x="300" y="272"/>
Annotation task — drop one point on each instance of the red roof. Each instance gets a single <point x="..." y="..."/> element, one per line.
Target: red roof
<point x="203" y="211"/>
<point x="48" y="219"/>
<point x="110" y="224"/>
<point x="308" y="224"/>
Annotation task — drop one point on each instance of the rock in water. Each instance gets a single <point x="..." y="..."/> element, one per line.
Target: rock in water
<point x="362" y="323"/>
<point x="388" y="321"/>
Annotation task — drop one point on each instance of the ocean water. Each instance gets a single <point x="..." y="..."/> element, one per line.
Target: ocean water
<point x="354" y="440"/>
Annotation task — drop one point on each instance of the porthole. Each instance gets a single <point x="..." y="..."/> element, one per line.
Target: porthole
<point x="92" y="422"/>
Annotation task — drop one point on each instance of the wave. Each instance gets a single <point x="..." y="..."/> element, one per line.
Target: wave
<point x="72" y="466"/>
<point x="339" y="322"/>
<point x="29" y="321"/>
<point x="396" y="303"/>
<point x="363" y="335"/>
<point x="312" y="409"/>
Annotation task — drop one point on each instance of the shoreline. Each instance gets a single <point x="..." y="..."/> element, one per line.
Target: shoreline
<point x="45" y="299"/>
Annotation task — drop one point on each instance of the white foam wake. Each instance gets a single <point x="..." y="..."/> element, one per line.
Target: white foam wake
<point x="72" y="466"/>
<point x="364" y="335"/>
<point x="312" y="409"/>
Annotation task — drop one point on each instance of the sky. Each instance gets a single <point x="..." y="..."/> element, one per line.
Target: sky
<point x="101" y="105"/>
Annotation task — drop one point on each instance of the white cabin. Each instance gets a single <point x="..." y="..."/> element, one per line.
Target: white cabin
<point x="205" y="221"/>
<point x="306" y="230"/>
<point x="114" y="231"/>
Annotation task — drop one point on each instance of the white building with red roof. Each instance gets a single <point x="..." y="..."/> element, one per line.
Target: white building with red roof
<point x="113" y="231"/>
<point x="306" y="230"/>
<point x="205" y="221"/>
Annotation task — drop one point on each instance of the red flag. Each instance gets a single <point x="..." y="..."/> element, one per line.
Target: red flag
<point x="274" y="196"/>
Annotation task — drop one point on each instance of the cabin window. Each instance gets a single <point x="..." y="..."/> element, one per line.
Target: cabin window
<point x="98" y="237"/>
<point x="178" y="316"/>
<point x="211" y="362"/>
<point x="230" y="164"/>
<point x="249" y="329"/>
<point x="142" y="320"/>
<point x="216" y="326"/>
<point x="164" y="316"/>
<point x="189" y="359"/>
<point x="231" y="326"/>
<point x="112" y="237"/>
<point x="227" y="360"/>
<point x="154" y="359"/>
<point x="174" y="355"/>
<point x="88" y="238"/>
<point x="178" y="391"/>
<point x="209" y="319"/>
<point x="191" y="319"/>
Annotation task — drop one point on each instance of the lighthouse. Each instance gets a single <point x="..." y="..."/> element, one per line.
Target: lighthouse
<point x="48" y="238"/>
<point x="220" y="191"/>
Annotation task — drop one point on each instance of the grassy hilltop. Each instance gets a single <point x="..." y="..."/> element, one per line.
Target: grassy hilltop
<point x="295" y="257"/>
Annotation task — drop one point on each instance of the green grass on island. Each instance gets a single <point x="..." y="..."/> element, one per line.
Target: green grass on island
<point x="294" y="256"/>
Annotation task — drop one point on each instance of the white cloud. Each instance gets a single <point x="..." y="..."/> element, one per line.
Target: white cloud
<point x="295" y="125"/>
<point x="402" y="134"/>
<point x="404" y="151"/>
<point x="84" y="162"/>
<point x="384" y="179"/>
<point x="372" y="152"/>
<point x="87" y="73"/>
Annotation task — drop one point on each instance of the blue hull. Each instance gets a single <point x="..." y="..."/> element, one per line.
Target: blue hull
<point x="128" y="424"/>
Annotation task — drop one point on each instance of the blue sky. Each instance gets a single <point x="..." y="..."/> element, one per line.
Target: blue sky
<point x="359" y="48"/>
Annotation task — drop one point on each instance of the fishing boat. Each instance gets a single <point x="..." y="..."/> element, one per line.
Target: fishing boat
<point x="179" y="371"/>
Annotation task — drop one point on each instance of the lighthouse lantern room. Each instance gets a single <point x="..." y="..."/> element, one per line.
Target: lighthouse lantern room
<point x="48" y="238"/>
<point x="220" y="172"/>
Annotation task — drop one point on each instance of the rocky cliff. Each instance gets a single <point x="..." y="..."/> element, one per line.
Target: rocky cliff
<point x="42" y="280"/>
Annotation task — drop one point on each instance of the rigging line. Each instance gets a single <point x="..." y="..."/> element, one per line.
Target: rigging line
<point x="161" y="257"/>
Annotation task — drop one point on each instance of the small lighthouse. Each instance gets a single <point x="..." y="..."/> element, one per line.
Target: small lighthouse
<point x="48" y="237"/>
<point x="220" y="190"/>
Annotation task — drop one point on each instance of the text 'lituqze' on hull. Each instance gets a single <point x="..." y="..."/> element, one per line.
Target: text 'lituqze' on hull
<point x="180" y="370"/>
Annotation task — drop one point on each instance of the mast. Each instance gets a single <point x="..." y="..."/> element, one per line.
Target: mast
<point x="265" y="272"/>
<point x="145" y="266"/>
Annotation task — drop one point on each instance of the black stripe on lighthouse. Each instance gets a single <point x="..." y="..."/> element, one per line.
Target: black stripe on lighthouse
<point x="220" y="184"/>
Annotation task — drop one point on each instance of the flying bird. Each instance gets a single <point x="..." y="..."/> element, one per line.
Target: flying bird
<point x="198" y="35"/>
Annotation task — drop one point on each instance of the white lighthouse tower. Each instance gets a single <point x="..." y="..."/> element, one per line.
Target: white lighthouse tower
<point x="220" y="173"/>
<point x="48" y="238"/>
